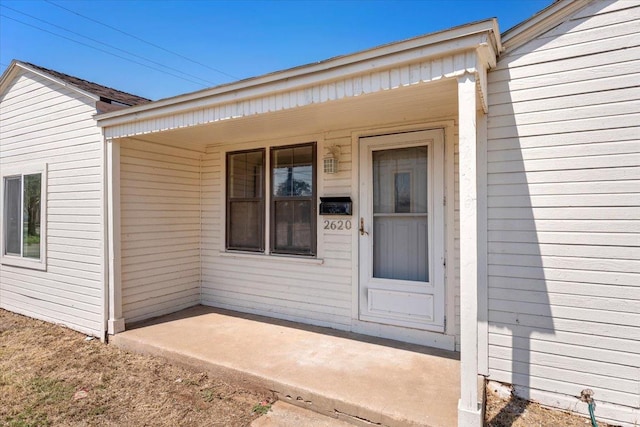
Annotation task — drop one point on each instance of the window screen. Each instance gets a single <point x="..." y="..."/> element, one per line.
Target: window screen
<point x="245" y="200"/>
<point x="293" y="207"/>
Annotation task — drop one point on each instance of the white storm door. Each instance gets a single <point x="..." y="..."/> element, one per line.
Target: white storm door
<point x="402" y="230"/>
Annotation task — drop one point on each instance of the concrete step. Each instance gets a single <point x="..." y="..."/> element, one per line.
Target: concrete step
<point x="286" y="415"/>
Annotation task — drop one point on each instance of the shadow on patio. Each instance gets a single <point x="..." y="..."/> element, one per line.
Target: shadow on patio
<point x="347" y="376"/>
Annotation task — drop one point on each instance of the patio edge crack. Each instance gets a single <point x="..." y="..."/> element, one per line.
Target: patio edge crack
<point x="356" y="418"/>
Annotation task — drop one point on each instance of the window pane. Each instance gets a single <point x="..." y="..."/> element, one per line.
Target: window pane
<point x="303" y="155"/>
<point x="283" y="172"/>
<point x="245" y="175"/>
<point x="400" y="180"/>
<point x="245" y="231"/>
<point x="12" y="215"/>
<point x="245" y="206"/>
<point x="293" y="204"/>
<point x="293" y="171"/>
<point x="293" y="226"/>
<point x="31" y="216"/>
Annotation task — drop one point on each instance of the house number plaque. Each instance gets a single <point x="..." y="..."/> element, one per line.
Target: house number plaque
<point x="337" y="224"/>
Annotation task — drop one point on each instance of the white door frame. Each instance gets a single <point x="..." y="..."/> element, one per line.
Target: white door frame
<point x="436" y="287"/>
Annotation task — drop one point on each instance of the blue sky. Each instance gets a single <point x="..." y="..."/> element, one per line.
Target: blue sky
<point x="219" y="41"/>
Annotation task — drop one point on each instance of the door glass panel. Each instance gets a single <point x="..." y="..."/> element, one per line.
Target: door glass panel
<point x="400" y="217"/>
<point x="403" y="192"/>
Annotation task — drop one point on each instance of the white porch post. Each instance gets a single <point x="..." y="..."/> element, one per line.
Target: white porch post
<point x="469" y="414"/>
<point x="482" y="186"/>
<point x="115" y="323"/>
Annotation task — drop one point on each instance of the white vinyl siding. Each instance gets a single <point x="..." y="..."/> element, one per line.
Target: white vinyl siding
<point x="160" y="229"/>
<point x="42" y="122"/>
<point x="563" y="216"/>
<point x="307" y="290"/>
<point x="320" y="291"/>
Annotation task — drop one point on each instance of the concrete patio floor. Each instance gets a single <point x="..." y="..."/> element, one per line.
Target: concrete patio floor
<point x="350" y="377"/>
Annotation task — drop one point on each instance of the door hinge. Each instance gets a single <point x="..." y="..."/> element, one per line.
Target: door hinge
<point x="444" y="201"/>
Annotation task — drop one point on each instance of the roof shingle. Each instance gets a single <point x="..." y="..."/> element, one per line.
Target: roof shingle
<point x="104" y="92"/>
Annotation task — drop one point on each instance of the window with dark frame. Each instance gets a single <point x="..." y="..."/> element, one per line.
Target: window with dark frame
<point x="291" y="199"/>
<point x="293" y="195"/>
<point x="245" y="200"/>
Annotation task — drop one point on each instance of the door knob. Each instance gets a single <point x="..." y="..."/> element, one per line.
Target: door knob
<point x="362" y="231"/>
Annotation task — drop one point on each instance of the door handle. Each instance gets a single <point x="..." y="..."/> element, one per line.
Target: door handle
<point x="362" y="230"/>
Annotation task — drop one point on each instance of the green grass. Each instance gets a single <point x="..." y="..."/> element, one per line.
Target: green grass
<point x="50" y="391"/>
<point x="261" y="408"/>
<point x="208" y="395"/>
<point x="28" y="418"/>
<point x="44" y="392"/>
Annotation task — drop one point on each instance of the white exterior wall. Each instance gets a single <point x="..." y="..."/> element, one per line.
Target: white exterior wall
<point x="319" y="291"/>
<point x="44" y="122"/>
<point x="160" y="229"/>
<point x="564" y="209"/>
<point x="305" y="290"/>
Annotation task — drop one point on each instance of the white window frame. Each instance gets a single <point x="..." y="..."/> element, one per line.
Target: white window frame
<point x="19" y="260"/>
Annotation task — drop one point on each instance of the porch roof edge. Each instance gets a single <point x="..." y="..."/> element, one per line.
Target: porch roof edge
<point x="312" y="73"/>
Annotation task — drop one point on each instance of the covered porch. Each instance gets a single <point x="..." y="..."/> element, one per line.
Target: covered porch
<point x="173" y="237"/>
<point x="355" y="378"/>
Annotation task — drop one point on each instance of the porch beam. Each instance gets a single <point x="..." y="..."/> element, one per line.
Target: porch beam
<point x="486" y="57"/>
<point x="469" y="413"/>
<point x="430" y="46"/>
<point x="115" y="322"/>
<point x="481" y="71"/>
<point x="287" y="95"/>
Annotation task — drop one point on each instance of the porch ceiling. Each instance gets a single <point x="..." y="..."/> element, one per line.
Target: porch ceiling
<point x="414" y="103"/>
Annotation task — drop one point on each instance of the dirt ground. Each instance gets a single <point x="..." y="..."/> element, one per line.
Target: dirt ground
<point x="517" y="412"/>
<point x="51" y="376"/>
